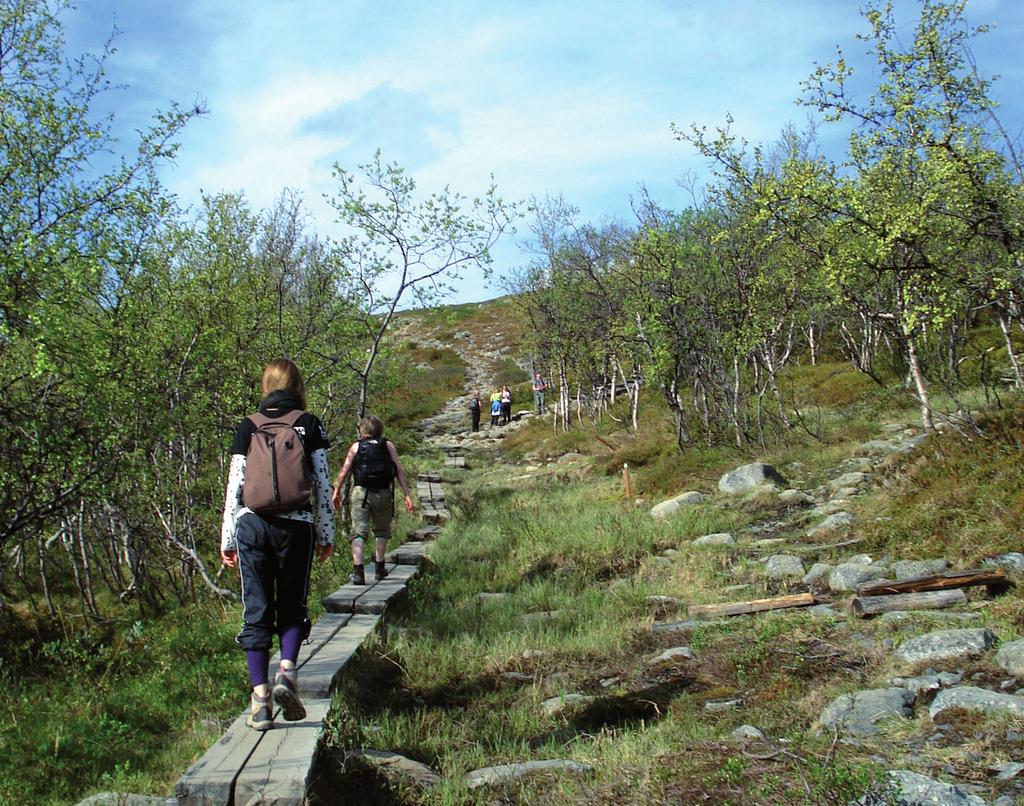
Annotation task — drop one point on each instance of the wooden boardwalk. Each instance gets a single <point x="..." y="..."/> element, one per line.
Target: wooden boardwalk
<point x="247" y="767"/>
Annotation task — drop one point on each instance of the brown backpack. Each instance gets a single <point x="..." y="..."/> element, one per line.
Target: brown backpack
<point x="278" y="476"/>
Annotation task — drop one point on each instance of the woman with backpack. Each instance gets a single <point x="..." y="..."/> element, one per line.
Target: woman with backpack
<point x="373" y="463"/>
<point x="270" y="532"/>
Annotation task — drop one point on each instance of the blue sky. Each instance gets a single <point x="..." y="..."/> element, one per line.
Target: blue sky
<point x="563" y="97"/>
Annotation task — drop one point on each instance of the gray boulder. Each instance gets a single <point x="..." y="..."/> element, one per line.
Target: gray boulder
<point x="853" y="479"/>
<point x="944" y="645"/>
<point x="415" y="772"/>
<point x="747" y="732"/>
<point x="971" y="698"/>
<point x="837" y="520"/>
<point x="1010" y="658"/>
<point x="556" y="705"/>
<point x="795" y="498"/>
<point x="817" y="574"/>
<point x="717" y="539"/>
<point x="914" y="789"/>
<point x="510" y="773"/>
<point x="847" y="576"/>
<point x="878" y="447"/>
<point x="749" y="478"/>
<point x="858" y="714"/>
<point x="673" y="505"/>
<point x="784" y="566"/>
<point x="907" y="569"/>
<point x="1010" y="561"/>
<point x="928" y="681"/>
<point x="675" y="653"/>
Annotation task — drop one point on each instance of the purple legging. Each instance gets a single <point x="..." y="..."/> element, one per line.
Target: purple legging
<point x="259" y="659"/>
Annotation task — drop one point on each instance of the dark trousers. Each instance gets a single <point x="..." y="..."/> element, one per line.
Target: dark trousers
<point x="506" y="412"/>
<point x="475" y="414"/>
<point x="275" y="557"/>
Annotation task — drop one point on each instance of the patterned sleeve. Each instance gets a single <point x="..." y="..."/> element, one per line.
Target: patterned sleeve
<point x="323" y="509"/>
<point x="232" y="502"/>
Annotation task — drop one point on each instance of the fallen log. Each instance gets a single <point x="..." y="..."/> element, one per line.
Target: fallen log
<point x="865" y="606"/>
<point x="992" y="578"/>
<point x="755" y="606"/>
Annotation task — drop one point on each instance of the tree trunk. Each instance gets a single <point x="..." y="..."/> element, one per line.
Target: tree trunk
<point x="920" y="385"/>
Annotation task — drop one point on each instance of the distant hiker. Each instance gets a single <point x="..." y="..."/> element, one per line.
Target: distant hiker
<point x="538" y="392"/>
<point x="373" y="463"/>
<point x="474" y="410"/>
<point x="278" y="458"/>
<point x="495" y="408"/>
<point x="506" y="405"/>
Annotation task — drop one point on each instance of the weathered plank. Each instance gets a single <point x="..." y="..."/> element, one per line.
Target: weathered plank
<point x="277" y="771"/>
<point x="436" y="517"/>
<point x="211" y="779"/>
<point x="344" y="599"/>
<point x="410" y="553"/>
<point x="993" y="578"/>
<point x="316" y="678"/>
<point x="322" y="632"/>
<point x="754" y="606"/>
<point x="426" y="533"/>
<point x="433" y="476"/>
<point x="925" y="600"/>
<point x="378" y="597"/>
<point x="455" y="461"/>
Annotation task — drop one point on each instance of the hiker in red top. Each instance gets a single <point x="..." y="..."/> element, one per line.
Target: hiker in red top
<point x="373" y="463"/>
<point x="270" y="532"/>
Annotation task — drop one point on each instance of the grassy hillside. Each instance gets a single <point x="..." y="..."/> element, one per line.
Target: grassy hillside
<point x="457" y="680"/>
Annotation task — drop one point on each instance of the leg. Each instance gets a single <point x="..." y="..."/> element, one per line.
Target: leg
<point x="256" y="566"/>
<point x="360" y="529"/>
<point x="294" y="551"/>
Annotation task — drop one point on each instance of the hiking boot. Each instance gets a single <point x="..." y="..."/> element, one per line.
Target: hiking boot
<point x="357" y="577"/>
<point x="261" y="715"/>
<point x="379" y="571"/>
<point x="286" y="694"/>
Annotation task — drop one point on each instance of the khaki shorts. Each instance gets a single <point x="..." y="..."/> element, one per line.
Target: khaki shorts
<point x="373" y="508"/>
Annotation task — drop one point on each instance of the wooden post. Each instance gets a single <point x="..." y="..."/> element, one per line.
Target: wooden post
<point x="625" y="479"/>
<point x="865" y="606"/>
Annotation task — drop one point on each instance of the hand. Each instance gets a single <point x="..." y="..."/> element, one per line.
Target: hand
<point x="324" y="552"/>
<point x="336" y="498"/>
<point x="409" y="506"/>
<point x="229" y="557"/>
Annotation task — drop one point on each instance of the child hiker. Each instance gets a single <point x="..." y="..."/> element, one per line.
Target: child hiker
<point x="270" y="532"/>
<point x="373" y="463"/>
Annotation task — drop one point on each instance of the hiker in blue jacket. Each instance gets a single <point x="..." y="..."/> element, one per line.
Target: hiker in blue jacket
<point x="273" y="548"/>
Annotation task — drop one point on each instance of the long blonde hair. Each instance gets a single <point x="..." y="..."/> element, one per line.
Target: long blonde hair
<point x="281" y="374"/>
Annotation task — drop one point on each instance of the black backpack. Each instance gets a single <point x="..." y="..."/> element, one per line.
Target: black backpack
<point x="373" y="467"/>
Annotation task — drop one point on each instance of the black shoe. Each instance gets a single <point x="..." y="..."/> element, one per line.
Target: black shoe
<point x="379" y="571"/>
<point x="286" y="695"/>
<point x="261" y="715"/>
<point x="357" y="577"/>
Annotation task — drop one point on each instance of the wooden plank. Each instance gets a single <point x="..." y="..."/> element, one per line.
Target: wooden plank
<point x="343" y="600"/>
<point x="316" y="678"/>
<point x="211" y="779"/>
<point x="433" y="476"/>
<point x="276" y="772"/>
<point x="322" y="632"/>
<point x="455" y="461"/>
<point x="426" y="533"/>
<point x="410" y="553"/>
<point x="436" y="517"/>
<point x="378" y="597"/>
<point x="755" y="606"/>
<point x="926" y="600"/>
<point x="993" y="578"/>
